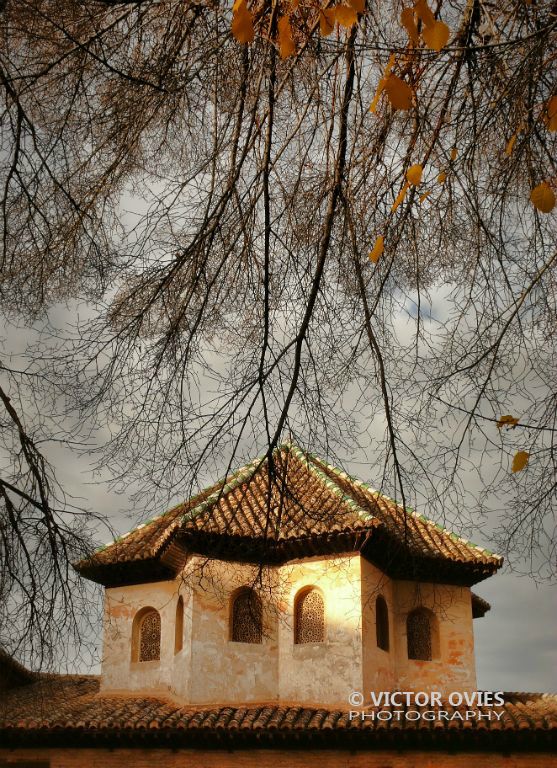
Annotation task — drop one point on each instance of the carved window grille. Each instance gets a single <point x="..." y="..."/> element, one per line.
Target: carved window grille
<point x="309" y="617"/>
<point x="247" y="618"/>
<point x="150" y="637"/>
<point x="179" y="626"/>
<point x="419" y="634"/>
<point x="382" y="623"/>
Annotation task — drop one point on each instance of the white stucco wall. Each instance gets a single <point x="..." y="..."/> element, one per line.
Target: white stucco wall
<point x="454" y="668"/>
<point x="119" y="672"/>
<point x="211" y="668"/>
<point x="322" y="673"/>
<point x="378" y="665"/>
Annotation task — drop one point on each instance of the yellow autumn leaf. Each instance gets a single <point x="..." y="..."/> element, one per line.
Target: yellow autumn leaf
<point x="424" y="13"/>
<point x="358" y="5"/>
<point x="454" y="153"/>
<point x="408" y="21"/>
<point x="242" y="23"/>
<point x="436" y="36"/>
<point x="398" y="92"/>
<point x="425" y="195"/>
<point x="442" y="177"/>
<point x="507" y="421"/>
<point x="400" y="197"/>
<point x="414" y="174"/>
<point x="520" y="461"/>
<point x="326" y="21"/>
<point x="345" y="16"/>
<point x="543" y="197"/>
<point x="377" y="250"/>
<point x="551" y="113"/>
<point x="510" y="144"/>
<point x="286" y="42"/>
<point x="381" y="84"/>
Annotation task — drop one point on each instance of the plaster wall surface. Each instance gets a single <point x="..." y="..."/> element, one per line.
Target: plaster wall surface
<point x="225" y="671"/>
<point x="212" y="669"/>
<point x="378" y="664"/>
<point x="453" y="666"/>
<point x="172" y="672"/>
<point x="323" y="673"/>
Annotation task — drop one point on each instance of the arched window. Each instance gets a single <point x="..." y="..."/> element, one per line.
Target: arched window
<point x="382" y="623"/>
<point x="421" y="631"/>
<point x="179" y="625"/>
<point x="309" y="617"/>
<point x="246" y="617"/>
<point x="146" y="635"/>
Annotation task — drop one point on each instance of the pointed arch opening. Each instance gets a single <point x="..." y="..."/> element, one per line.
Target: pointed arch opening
<point x="309" y="616"/>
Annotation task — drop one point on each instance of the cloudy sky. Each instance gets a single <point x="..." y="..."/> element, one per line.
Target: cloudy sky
<point x="516" y="647"/>
<point x="515" y="641"/>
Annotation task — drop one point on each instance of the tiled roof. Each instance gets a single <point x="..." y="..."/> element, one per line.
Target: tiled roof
<point x="13" y="673"/>
<point x="479" y="606"/>
<point x="292" y="509"/>
<point x="70" y="710"/>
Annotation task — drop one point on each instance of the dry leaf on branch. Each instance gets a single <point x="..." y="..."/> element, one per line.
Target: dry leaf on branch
<point x="345" y="16"/>
<point x="242" y="23"/>
<point x="400" y="197"/>
<point x="543" y="197"/>
<point x="507" y="421"/>
<point x="398" y="92"/>
<point x="326" y="21"/>
<point x="437" y="36"/>
<point x="286" y="42"/>
<point x="408" y="21"/>
<point x="377" y="250"/>
<point x="520" y="461"/>
<point x="414" y="174"/>
<point x="550" y="114"/>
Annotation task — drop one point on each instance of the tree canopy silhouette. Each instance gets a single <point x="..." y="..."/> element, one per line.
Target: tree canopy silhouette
<point x="330" y="219"/>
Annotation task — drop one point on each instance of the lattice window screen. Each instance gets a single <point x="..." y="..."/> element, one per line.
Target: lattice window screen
<point x="418" y="629"/>
<point x="247" y="618"/>
<point x="150" y="637"/>
<point x="310" y="618"/>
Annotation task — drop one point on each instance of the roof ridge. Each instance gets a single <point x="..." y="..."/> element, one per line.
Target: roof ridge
<point x="230" y="483"/>
<point x="337" y="490"/>
<point x="407" y="510"/>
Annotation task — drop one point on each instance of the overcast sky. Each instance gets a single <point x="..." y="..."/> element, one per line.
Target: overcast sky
<point x="515" y="641"/>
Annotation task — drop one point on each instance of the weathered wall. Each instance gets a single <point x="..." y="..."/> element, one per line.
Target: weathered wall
<point x="119" y="672"/>
<point x="145" y="758"/>
<point x="378" y="665"/>
<point x="211" y="668"/>
<point x="323" y="673"/>
<point x="224" y="671"/>
<point x="454" y="669"/>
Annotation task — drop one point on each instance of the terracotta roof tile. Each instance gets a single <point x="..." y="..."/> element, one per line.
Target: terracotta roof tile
<point x="62" y="707"/>
<point x="295" y="499"/>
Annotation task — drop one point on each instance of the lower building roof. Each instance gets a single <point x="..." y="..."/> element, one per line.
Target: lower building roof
<point x="67" y="710"/>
